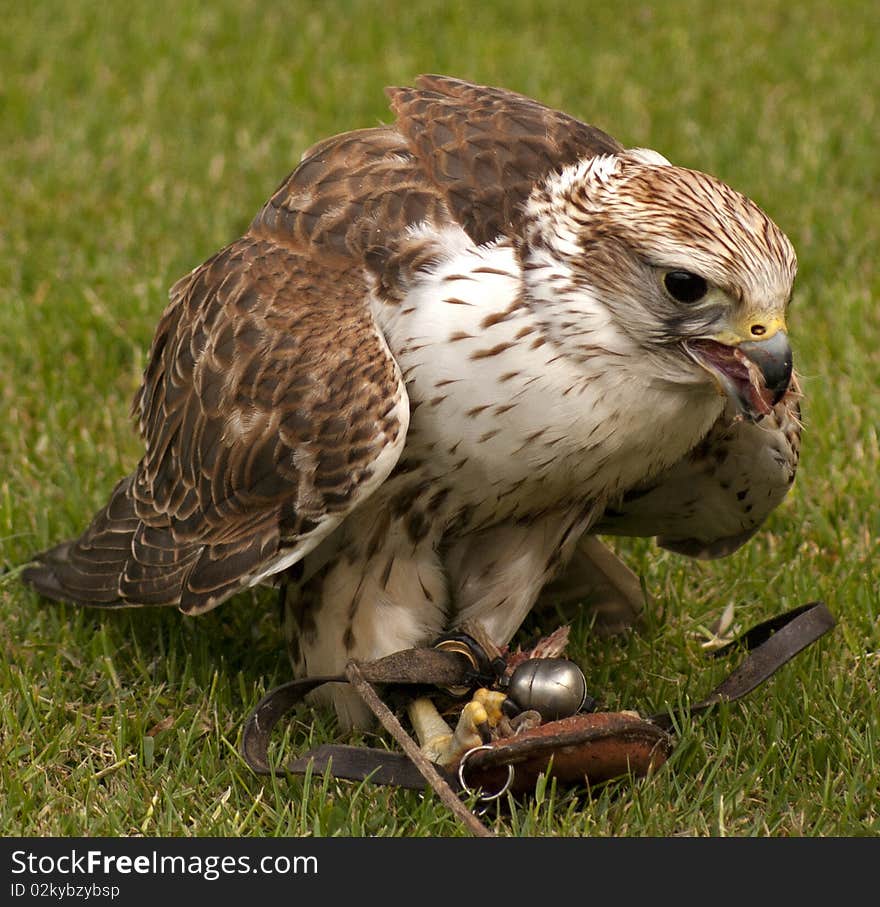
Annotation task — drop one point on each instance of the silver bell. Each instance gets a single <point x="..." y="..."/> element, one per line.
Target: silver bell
<point x="554" y="687"/>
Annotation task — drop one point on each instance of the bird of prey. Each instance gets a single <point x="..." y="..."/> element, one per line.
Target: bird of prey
<point x="445" y="356"/>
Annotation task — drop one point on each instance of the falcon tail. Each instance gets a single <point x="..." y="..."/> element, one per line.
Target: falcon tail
<point x="93" y="569"/>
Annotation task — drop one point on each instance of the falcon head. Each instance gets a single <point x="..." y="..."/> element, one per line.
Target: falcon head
<point x="626" y="250"/>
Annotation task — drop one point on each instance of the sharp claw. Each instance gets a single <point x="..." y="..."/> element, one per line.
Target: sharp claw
<point x="492" y="701"/>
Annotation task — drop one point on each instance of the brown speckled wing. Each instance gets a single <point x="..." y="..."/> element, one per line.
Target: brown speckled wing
<point x="351" y="193"/>
<point x="485" y="148"/>
<point x="270" y="407"/>
<point x="458" y="151"/>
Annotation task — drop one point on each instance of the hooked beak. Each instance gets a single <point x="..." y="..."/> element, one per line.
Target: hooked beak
<point x="754" y="374"/>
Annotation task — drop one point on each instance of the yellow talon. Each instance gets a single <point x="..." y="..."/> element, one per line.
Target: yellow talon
<point x="491" y="701"/>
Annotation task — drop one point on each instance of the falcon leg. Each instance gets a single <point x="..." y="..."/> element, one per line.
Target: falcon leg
<point x="497" y="574"/>
<point x="362" y="608"/>
<point x="433" y="733"/>
<point x="284" y="579"/>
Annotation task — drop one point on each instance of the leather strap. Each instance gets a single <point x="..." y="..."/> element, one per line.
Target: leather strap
<point x="770" y="645"/>
<point x="411" y="667"/>
<point x="359" y="763"/>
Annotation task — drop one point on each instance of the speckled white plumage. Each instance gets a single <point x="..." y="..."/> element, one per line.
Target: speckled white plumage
<point x="523" y="426"/>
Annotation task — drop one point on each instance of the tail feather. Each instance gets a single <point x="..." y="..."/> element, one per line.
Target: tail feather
<point x="56" y="575"/>
<point x="121" y="561"/>
<point x="92" y="569"/>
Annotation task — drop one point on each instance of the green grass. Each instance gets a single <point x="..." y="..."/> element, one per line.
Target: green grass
<point x="136" y="139"/>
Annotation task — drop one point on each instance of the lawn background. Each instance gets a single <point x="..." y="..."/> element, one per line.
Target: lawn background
<point x="137" y="139"/>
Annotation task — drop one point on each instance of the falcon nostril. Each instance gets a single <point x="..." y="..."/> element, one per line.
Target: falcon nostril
<point x="758" y="330"/>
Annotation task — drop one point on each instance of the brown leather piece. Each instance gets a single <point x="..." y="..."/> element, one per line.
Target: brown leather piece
<point x="590" y="748"/>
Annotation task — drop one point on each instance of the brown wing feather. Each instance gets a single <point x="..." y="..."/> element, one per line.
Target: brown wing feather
<point x="457" y="151"/>
<point x="485" y="148"/>
<point x="267" y="400"/>
<point x="352" y="192"/>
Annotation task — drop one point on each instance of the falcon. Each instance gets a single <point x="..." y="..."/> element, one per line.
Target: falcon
<point x="447" y="355"/>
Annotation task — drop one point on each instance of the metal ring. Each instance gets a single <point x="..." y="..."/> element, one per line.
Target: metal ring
<point x="460" y="647"/>
<point x="482" y="798"/>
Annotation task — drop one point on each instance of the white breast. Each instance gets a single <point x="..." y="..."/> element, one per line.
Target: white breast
<point x="499" y="409"/>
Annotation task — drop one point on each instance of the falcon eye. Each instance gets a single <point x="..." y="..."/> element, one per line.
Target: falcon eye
<point x="684" y="286"/>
